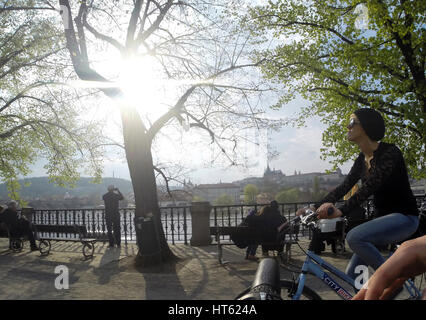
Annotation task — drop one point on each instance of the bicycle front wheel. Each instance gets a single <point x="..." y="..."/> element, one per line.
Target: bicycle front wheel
<point x="286" y="290"/>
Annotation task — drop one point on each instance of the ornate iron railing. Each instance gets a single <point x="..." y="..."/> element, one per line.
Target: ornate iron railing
<point x="235" y="214"/>
<point x="176" y="221"/>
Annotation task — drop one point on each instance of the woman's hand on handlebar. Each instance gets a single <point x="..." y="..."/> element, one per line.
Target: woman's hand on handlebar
<point x="328" y="211"/>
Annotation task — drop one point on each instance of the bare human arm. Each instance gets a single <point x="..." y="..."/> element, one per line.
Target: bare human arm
<point x="409" y="260"/>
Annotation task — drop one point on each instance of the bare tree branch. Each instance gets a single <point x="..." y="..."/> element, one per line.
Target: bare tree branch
<point x="166" y="180"/>
<point x="81" y="65"/>
<point x="144" y="34"/>
<point x="103" y="37"/>
<point x="131" y="29"/>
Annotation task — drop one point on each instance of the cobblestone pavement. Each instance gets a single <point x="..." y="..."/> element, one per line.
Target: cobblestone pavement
<point x="111" y="274"/>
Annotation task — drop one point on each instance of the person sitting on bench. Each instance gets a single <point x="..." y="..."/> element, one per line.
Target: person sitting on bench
<point x="18" y="224"/>
<point x="272" y="221"/>
<point x="250" y="220"/>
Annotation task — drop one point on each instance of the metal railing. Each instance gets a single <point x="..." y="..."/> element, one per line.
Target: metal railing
<point x="232" y="216"/>
<point x="175" y="221"/>
<point x="177" y="224"/>
<point x="235" y="214"/>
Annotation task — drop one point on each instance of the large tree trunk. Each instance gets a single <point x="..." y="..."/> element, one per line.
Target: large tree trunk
<point x="154" y="248"/>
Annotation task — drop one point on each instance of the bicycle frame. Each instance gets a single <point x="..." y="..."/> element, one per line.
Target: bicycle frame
<point x="310" y="267"/>
<point x="315" y="265"/>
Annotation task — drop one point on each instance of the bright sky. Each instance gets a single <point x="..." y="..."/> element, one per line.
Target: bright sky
<point x="298" y="149"/>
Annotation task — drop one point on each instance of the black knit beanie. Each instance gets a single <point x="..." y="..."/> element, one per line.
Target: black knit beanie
<point x="372" y="122"/>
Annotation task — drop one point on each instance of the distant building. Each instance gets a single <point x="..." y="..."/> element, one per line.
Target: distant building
<point x="331" y="177"/>
<point x="302" y="181"/>
<point x="179" y="198"/>
<point x="273" y="175"/>
<point x="251" y="180"/>
<point x="210" y="192"/>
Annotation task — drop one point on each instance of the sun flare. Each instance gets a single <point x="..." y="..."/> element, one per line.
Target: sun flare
<point x="142" y="84"/>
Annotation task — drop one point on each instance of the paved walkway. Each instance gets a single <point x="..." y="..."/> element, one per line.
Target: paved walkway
<point x="112" y="275"/>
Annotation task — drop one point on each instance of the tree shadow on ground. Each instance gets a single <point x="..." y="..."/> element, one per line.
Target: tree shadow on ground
<point x="184" y="277"/>
<point x="240" y="270"/>
<point x="109" y="265"/>
<point x="162" y="282"/>
<point x="201" y="275"/>
<point x="35" y="279"/>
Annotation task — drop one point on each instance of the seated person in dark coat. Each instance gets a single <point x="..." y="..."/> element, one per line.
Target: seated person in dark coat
<point x="272" y="220"/>
<point x="250" y="221"/>
<point x="263" y="227"/>
<point x="18" y="225"/>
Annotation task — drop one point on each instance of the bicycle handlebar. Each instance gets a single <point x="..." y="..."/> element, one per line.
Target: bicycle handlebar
<point x="310" y="217"/>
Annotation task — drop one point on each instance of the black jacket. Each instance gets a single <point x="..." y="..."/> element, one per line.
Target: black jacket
<point x="266" y="225"/>
<point x="386" y="180"/>
<point x="10" y="218"/>
<point x="111" y="200"/>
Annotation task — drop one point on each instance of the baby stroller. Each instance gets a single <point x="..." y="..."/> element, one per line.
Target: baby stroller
<point x="333" y="231"/>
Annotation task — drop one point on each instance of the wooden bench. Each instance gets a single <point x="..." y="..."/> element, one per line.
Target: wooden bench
<point x="219" y="231"/>
<point x="47" y="233"/>
<point x="74" y="233"/>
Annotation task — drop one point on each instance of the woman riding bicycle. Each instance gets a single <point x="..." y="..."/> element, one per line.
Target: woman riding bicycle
<point x="382" y="170"/>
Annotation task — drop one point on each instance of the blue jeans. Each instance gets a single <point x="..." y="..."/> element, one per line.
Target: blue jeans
<point x="251" y="250"/>
<point x="382" y="231"/>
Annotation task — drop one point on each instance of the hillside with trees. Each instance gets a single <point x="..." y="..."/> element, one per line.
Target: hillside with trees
<point x="40" y="188"/>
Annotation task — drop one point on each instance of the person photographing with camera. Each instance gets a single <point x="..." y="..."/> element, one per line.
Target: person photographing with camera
<point x="382" y="170"/>
<point x="112" y="215"/>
